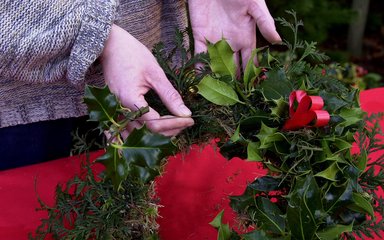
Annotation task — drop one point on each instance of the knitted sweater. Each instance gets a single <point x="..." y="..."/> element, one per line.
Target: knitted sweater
<point x="47" y="48"/>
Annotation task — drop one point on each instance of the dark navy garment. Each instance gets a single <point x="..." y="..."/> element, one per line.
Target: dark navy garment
<point x="37" y="142"/>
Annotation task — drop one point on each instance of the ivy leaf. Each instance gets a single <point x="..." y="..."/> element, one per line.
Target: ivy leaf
<point x="253" y="153"/>
<point x="276" y="85"/>
<point x="269" y="216"/>
<point x="217" y="92"/>
<point x="334" y="232"/>
<point x="360" y="204"/>
<point x="222" y="61"/>
<point x="304" y="208"/>
<point x="102" y="104"/>
<point x="268" y="136"/>
<point x="116" y="167"/>
<point x="144" y="150"/>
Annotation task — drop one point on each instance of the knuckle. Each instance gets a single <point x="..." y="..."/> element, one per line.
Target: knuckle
<point x="172" y="95"/>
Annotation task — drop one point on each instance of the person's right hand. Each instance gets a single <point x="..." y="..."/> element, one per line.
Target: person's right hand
<point x="235" y="20"/>
<point x="130" y="71"/>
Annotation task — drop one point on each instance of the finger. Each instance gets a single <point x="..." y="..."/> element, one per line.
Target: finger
<point x="169" y="95"/>
<point x="173" y="132"/>
<point x="246" y="54"/>
<point x="264" y="21"/>
<point x="169" y="123"/>
<point x="236" y="58"/>
<point x="130" y="127"/>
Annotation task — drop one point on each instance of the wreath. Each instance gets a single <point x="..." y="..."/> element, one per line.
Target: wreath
<point x="290" y="112"/>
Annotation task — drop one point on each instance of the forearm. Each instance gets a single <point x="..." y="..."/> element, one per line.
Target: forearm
<point x="45" y="40"/>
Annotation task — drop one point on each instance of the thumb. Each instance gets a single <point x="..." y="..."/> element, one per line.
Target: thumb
<point x="264" y="21"/>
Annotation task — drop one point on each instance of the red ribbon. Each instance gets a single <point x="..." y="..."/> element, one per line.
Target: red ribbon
<point x="305" y="110"/>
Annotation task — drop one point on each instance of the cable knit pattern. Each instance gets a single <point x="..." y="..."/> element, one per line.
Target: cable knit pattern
<point x="48" y="46"/>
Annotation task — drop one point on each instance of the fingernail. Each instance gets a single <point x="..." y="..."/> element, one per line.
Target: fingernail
<point x="185" y="111"/>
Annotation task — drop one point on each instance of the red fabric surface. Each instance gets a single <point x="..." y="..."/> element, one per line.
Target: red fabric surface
<point x="193" y="189"/>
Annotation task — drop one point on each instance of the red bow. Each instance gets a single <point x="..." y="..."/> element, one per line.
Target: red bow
<point x="304" y="109"/>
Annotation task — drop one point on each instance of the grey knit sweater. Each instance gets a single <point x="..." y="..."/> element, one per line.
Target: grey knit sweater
<point x="49" y="48"/>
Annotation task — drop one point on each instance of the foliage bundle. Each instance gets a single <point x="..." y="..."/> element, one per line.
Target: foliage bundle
<point x="316" y="187"/>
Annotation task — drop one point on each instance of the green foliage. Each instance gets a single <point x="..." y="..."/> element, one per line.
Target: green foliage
<point x="140" y="154"/>
<point x="320" y="16"/>
<point x="119" y="204"/>
<point x="316" y="188"/>
<point x="89" y="208"/>
<point x="313" y="189"/>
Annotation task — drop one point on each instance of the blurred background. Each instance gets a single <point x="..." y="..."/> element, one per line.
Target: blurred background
<point x="348" y="31"/>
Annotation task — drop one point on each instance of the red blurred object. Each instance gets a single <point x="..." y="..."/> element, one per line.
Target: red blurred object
<point x="193" y="189"/>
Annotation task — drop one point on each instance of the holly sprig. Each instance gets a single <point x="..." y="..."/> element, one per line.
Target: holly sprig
<point x="140" y="154"/>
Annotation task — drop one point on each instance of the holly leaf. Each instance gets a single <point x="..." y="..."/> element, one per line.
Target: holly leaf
<point x="337" y="195"/>
<point x="140" y="156"/>
<point x="360" y="204"/>
<point x="265" y="184"/>
<point x="217" y="92"/>
<point x="251" y="71"/>
<point x="116" y="167"/>
<point x="224" y="232"/>
<point x="269" y="216"/>
<point x="332" y="101"/>
<point x="276" y="85"/>
<point x="253" y="153"/>
<point x="101" y="103"/>
<point x="304" y="208"/>
<point x="221" y="56"/>
<point x="242" y="202"/>
<point x="351" y="116"/>
<point x="280" y="109"/>
<point x="268" y="136"/>
<point x="144" y="150"/>
<point x="257" y="235"/>
<point x="329" y="173"/>
<point x="362" y="160"/>
<point x="334" y="232"/>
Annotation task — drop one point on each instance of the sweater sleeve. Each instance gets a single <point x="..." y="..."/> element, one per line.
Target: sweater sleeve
<point x="50" y="40"/>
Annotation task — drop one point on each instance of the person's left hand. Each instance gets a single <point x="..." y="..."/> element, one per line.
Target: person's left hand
<point x="234" y="20"/>
<point x="130" y="70"/>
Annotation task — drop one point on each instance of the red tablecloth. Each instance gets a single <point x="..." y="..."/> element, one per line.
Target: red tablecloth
<point x="193" y="189"/>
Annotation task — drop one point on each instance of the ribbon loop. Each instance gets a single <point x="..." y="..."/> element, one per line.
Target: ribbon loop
<point x="305" y="110"/>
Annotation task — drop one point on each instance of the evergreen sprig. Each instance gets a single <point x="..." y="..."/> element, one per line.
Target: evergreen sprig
<point x="89" y="208"/>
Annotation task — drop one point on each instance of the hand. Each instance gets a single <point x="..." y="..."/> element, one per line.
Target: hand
<point x="235" y="20"/>
<point x="130" y="70"/>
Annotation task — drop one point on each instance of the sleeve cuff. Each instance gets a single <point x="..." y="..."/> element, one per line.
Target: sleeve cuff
<point x="94" y="31"/>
